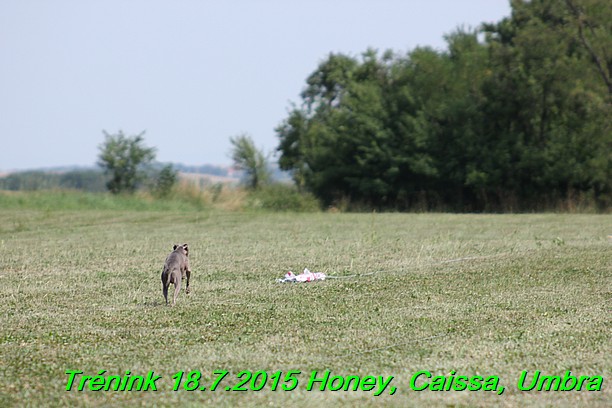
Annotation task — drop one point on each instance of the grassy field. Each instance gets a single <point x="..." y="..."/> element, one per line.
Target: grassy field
<point x="489" y="295"/>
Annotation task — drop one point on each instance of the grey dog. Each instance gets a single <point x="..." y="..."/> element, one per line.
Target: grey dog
<point x="175" y="269"/>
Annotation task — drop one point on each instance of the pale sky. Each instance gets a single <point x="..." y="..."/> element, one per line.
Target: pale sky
<point x="190" y="73"/>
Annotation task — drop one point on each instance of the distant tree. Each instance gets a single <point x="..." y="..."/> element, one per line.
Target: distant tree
<point x="124" y="158"/>
<point x="166" y="180"/>
<point x="251" y="160"/>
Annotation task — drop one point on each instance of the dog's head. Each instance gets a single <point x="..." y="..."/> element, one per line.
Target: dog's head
<point x="184" y="249"/>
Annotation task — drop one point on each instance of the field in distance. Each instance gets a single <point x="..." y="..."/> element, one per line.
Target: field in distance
<point x="473" y="295"/>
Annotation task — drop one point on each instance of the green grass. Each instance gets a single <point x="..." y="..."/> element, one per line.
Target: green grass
<point x="478" y="294"/>
<point x="75" y="200"/>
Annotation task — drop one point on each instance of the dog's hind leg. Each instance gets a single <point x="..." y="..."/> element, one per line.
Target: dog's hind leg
<point x="188" y="275"/>
<point x="166" y="293"/>
<point x="165" y="284"/>
<point x="177" y="289"/>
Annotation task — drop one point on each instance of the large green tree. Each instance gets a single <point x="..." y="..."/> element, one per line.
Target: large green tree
<point x="517" y="121"/>
<point x="547" y="107"/>
<point x="124" y="159"/>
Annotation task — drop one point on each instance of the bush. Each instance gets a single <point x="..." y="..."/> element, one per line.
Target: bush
<point x="165" y="182"/>
<point x="282" y="197"/>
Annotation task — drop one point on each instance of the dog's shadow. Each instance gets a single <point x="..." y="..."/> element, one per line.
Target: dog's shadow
<point x="157" y="303"/>
<point x="154" y="303"/>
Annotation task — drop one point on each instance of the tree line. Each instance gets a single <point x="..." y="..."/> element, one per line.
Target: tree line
<point x="87" y="180"/>
<point x="514" y="115"/>
<point x="126" y="164"/>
